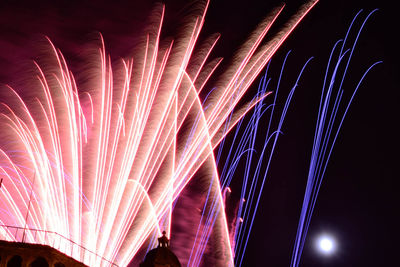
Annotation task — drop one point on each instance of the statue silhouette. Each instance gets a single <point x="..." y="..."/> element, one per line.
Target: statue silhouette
<point x="163" y="241"/>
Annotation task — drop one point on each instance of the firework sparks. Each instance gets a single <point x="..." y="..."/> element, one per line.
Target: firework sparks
<point x="94" y="171"/>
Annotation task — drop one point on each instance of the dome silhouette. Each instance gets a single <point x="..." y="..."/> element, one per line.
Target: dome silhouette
<point x="160" y="256"/>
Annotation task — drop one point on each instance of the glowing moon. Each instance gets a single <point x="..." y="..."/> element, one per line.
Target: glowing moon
<point x="326" y="244"/>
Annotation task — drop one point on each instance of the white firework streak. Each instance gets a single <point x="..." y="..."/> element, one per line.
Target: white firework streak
<point x="94" y="172"/>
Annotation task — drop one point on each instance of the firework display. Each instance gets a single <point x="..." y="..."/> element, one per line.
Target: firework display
<point x="95" y="170"/>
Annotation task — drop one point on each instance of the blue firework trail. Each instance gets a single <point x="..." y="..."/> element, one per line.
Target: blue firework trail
<point x="331" y="115"/>
<point x="258" y="178"/>
<point x="243" y="148"/>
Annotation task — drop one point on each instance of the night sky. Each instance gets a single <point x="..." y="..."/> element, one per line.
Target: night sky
<point x="357" y="203"/>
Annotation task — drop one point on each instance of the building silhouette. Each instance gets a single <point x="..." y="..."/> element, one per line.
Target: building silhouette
<point x="18" y="254"/>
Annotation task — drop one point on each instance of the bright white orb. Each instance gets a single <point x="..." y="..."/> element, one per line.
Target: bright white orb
<point x="326" y="244"/>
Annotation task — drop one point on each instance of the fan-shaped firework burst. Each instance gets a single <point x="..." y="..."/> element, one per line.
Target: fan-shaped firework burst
<point x="94" y="171"/>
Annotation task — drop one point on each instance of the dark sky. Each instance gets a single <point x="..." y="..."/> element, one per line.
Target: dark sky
<point x="358" y="201"/>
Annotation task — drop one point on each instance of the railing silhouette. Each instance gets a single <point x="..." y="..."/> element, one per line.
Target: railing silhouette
<point x="54" y="240"/>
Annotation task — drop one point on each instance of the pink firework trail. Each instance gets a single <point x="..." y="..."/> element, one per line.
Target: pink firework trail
<point x="94" y="171"/>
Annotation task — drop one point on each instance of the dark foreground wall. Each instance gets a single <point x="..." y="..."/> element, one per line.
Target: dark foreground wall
<point x="16" y="254"/>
